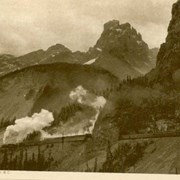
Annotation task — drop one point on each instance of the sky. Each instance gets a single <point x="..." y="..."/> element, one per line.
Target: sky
<point x="28" y="25"/>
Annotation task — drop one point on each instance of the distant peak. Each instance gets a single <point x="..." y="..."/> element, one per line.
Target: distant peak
<point x="59" y="48"/>
<point x="115" y="35"/>
<point x="6" y="56"/>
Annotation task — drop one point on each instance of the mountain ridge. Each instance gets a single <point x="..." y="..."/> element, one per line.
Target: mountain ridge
<point x="115" y="43"/>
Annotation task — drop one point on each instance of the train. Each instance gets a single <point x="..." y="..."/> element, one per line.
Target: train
<point x="64" y="139"/>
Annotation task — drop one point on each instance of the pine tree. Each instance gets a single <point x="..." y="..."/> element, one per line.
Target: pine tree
<point x="4" y="164"/>
<point x="55" y="115"/>
<point x="108" y="165"/>
<point x="15" y="163"/>
<point x="39" y="159"/>
<point x="87" y="168"/>
<point x="138" y="149"/>
<point x="33" y="164"/>
<point x="119" y="157"/>
<point x="21" y="157"/>
<point x="95" y="165"/>
<point x="11" y="161"/>
<point x="49" y="160"/>
<point x="25" y="165"/>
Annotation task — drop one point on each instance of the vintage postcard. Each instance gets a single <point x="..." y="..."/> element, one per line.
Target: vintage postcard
<point x="90" y="87"/>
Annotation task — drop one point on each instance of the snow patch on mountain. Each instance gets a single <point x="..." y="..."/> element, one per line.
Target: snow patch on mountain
<point x="119" y="30"/>
<point x="90" y="61"/>
<point x="140" y="70"/>
<point x="99" y="49"/>
<point x="140" y="42"/>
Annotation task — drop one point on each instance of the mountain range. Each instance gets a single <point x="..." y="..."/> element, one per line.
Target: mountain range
<point x="120" y="50"/>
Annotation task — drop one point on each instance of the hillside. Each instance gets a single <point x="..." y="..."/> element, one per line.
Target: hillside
<point x="47" y="86"/>
<point x="7" y="63"/>
<point x="161" y="157"/>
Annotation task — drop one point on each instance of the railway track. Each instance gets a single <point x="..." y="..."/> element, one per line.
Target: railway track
<point x="150" y="135"/>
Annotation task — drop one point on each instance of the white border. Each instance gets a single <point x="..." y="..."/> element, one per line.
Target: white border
<point x="23" y="175"/>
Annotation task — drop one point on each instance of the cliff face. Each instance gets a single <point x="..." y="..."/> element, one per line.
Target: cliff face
<point x="168" y="59"/>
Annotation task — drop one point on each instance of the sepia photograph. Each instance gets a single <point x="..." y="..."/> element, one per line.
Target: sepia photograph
<point x="90" y="86"/>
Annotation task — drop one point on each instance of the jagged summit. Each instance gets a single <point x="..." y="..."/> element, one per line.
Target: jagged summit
<point x="121" y="50"/>
<point x="121" y="36"/>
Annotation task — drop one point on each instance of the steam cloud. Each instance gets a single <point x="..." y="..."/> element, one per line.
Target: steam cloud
<point x="82" y="122"/>
<point x="82" y="96"/>
<point x="23" y="127"/>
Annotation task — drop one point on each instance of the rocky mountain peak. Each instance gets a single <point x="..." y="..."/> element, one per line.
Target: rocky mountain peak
<point x="121" y="50"/>
<point x="125" y="43"/>
<point x="121" y="38"/>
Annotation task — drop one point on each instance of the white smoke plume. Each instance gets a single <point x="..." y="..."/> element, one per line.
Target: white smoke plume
<point x="81" y="123"/>
<point x="23" y="127"/>
<point x="82" y="96"/>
